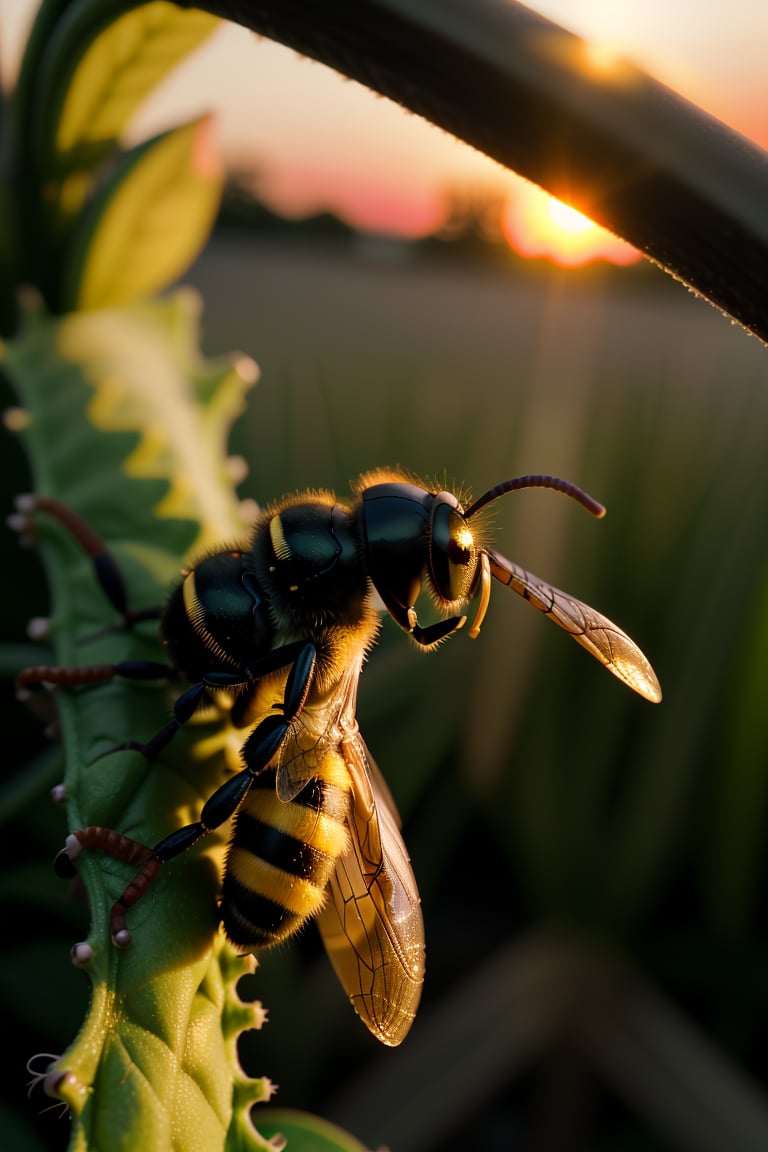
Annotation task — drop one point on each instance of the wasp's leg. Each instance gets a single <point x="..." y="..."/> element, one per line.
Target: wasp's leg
<point x="187" y="704"/>
<point x="218" y="808"/>
<point x="434" y="633"/>
<point x="105" y="566"/>
<point x="86" y="675"/>
<point x="122" y="848"/>
<point x="83" y="677"/>
<point x="103" y="840"/>
<point x="409" y="622"/>
<point x="258" y="750"/>
<point x="30" y="679"/>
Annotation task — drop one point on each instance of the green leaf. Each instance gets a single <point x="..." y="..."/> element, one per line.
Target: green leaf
<point x="8" y="256"/>
<point x="155" y="1064"/>
<point x="148" y="223"/>
<point x="305" y="1133"/>
<point x="98" y="68"/>
<point x="86" y="67"/>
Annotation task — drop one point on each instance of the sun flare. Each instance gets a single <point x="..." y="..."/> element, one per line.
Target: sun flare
<point x="536" y="224"/>
<point x="567" y="218"/>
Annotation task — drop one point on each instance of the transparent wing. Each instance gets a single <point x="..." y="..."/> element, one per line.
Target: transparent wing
<point x="321" y="725"/>
<point x="300" y="756"/>
<point x="371" y="924"/>
<point x="302" y="753"/>
<point x="595" y="632"/>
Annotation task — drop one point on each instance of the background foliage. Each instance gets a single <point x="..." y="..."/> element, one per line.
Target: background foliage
<point x="121" y="419"/>
<point x="591" y="869"/>
<point x="638" y="829"/>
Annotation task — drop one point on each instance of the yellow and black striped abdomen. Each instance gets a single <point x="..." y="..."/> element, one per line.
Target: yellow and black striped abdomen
<point x="282" y="855"/>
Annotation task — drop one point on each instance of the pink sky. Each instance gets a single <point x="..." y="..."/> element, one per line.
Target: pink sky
<point x="324" y="143"/>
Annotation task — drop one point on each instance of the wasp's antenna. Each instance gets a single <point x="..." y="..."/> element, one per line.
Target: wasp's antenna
<point x="592" y="506"/>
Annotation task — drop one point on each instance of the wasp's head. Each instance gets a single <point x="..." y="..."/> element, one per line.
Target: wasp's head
<point x="412" y="537"/>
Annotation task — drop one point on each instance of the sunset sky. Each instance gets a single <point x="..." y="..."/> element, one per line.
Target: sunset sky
<point x="323" y="143"/>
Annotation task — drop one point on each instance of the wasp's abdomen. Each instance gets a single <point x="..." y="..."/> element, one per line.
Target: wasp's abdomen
<point x="282" y="856"/>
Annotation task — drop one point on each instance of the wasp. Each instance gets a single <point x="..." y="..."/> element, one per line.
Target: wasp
<point x="284" y="625"/>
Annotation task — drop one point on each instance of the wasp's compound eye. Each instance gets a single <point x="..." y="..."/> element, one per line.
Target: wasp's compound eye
<point x="452" y="554"/>
<point x="461" y="545"/>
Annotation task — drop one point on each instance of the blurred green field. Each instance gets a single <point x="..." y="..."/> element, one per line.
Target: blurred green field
<point x="592" y="867"/>
<point x="537" y="792"/>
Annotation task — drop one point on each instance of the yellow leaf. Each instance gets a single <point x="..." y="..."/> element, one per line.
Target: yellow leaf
<point x="121" y="66"/>
<point x="148" y="223"/>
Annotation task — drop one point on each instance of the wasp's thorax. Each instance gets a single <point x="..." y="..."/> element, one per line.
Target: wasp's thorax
<point x="214" y="620"/>
<point x="309" y="557"/>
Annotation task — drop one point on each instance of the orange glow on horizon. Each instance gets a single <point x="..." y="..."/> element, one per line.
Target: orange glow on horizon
<point x="365" y="201"/>
<point x="567" y="218"/>
<point x="605" y="57"/>
<point x="535" y="224"/>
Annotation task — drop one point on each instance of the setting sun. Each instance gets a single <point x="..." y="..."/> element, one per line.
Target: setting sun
<point x="536" y="224"/>
<point x="567" y="218"/>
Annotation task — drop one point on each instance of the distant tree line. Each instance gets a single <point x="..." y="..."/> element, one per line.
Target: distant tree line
<point x="470" y="225"/>
<point x="470" y="231"/>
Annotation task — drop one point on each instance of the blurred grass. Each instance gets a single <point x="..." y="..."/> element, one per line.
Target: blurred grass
<point x="535" y="789"/>
<point x="518" y="764"/>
